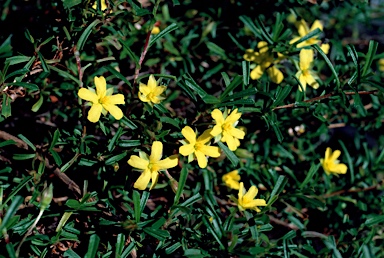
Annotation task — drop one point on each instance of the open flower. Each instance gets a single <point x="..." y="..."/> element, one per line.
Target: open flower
<point x="151" y="165"/>
<point x="247" y="200"/>
<point x="232" y="179"/>
<point x="225" y="130"/>
<point x="265" y="62"/>
<point x="305" y="74"/>
<point x="102" y="101"/>
<point x="103" y="6"/>
<point x="303" y="30"/>
<point x="198" y="148"/>
<point x="331" y="164"/>
<point x="151" y="92"/>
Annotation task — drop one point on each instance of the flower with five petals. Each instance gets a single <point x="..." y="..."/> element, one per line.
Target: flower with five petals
<point x="247" y="200"/>
<point x="331" y="164"/>
<point x="102" y="100"/>
<point x="151" y="165"/>
<point x="151" y="92"/>
<point x="198" y="148"/>
<point x="225" y="130"/>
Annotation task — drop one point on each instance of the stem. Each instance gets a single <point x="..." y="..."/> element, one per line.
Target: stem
<point x="292" y="105"/>
<point x="29" y="231"/>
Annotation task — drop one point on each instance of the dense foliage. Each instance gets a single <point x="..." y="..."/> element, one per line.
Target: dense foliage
<point x="191" y="128"/>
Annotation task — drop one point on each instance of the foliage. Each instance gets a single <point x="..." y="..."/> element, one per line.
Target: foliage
<point x="196" y="79"/>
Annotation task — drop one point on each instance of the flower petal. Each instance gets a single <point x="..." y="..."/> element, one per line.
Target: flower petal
<point x="137" y="162"/>
<point x="152" y="84"/>
<point x="205" y="137"/>
<point x="201" y="159"/>
<point x="114" y="99"/>
<point x="239" y="134"/>
<point x="114" y="110"/>
<point x="325" y="47"/>
<point x="317" y="25"/>
<point x="169" y="162"/>
<point x="340" y="168"/>
<point x="257" y="72"/>
<point x="88" y="95"/>
<point x="211" y="151"/>
<point x="216" y="130"/>
<point x="251" y="194"/>
<point x="156" y="152"/>
<point x="185" y="150"/>
<point x="275" y="74"/>
<point x="262" y="46"/>
<point x="217" y="115"/>
<point x="233" y="117"/>
<point x="242" y="191"/>
<point x="306" y="58"/>
<point x="302" y="28"/>
<point x="101" y="86"/>
<point x="303" y="82"/>
<point x="335" y="155"/>
<point x="143" y="180"/>
<point x="144" y="89"/>
<point x="95" y="112"/>
<point x="232" y="144"/>
<point x="311" y="81"/>
<point x="159" y="90"/>
<point x="328" y="153"/>
<point x="143" y="97"/>
<point x="155" y="177"/>
<point x="189" y="134"/>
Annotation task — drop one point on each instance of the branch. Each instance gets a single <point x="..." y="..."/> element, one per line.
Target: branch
<point x="373" y="187"/>
<point x="19" y="143"/>
<point x="293" y="105"/>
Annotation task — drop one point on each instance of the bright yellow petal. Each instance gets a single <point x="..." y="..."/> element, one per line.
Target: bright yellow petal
<point x="169" y="162"/>
<point x="189" y="134"/>
<point x="155" y="177"/>
<point x="303" y="81"/>
<point x="254" y="203"/>
<point x="217" y="115"/>
<point x="114" y="110"/>
<point x="257" y="72"/>
<point x="143" y="97"/>
<point x="232" y="144"/>
<point x="143" y="180"/>
<point x="237" y="133"/>
<point x="156" y="152"/>
<point x="311" y="81"/>
<point x="159" y="90"/>
<point x="249" y="55"/>
<point x="137" y="162"/>
<point x="152" y="84"/>
<point x="325" y="48"/>
<point x="328" y="153"/>
<point x="335" y="155"/>
<point x="211" y="151"/>
<point x="144" y="89"/>
<point x="275" y="74"/>
<point x="233" y="117"/>
<point x="216" y="130"/>
<point x="242" y="191"/>
<point x="88" y="95"/>
<point x="306" y="58"/>
<point x="114" y="99"/>
<point x="201" y="159"/>
<point x="101" y="86"/>
<point x="262" y="46"/>
<point x="95" y="112"/>
<point x="205" y="137"/>
<point x="340" y="168"/>
<point x="317" y="25"/>
<point x="302" y="28"/>
<point x="185" y="150"/>
<point x="251" y="194"/>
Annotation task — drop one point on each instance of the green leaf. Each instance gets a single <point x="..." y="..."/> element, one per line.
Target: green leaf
<point x="118" y="75"/>
<point x="115" y="158"/>
<point x="330" y="65"/>
<point x="181" y="184"/>
<point x="24" y="139"/>
<point x="56" y="157"/>
<point x="84" y="36"/>
<point x="119" y="245"/>
<point x="230" y="155"/>
<point x="369" y="57"/>
<point x="70" y="253"/>
<point x="71" y="3"/>
<point x="314" y="168"/>
<point x="23" y="156"/>
<point x="242" y="94"/>
<point x="279" y="187"/>
<point x="94" y="241"/>
<point x="27" y="85"/>
<point x="8" y="142"/>
<point x="232" y="85"/>
<point x="248" y="22"/>
<point x="38" y="104"/>
<point x="129" y="143"/>
<point x="349" y="161"/>
<point x="6" y="107"/>
<point x="245" y="66"/>
<point x="374" y="220"/>
<point x="136" y="205"/>
<point x="12" y="209"/>
<point x="162" y="34"/>
<point x="55" y="138"/>
<point x="157" y="233"/>
<point x="17" y="59"/>
<point x="117" y="135"/>
<point x="130" y="53"/>
<point x="310" y="35"/>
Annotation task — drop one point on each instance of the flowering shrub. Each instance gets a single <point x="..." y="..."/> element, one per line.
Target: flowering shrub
<point x="213" y="133"/>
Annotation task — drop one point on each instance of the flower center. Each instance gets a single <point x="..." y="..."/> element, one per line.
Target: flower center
<point x="151" y="96"/>
<point x="227" y="127"/>
<point x="153" y="167"/>
<point x="198" y="146"/>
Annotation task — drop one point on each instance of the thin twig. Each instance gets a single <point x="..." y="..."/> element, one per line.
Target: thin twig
<point x="145" y="49"/>
<point x="19" y="143"/>
<point x="292" y="105"/>
<point x="373" y="187"/>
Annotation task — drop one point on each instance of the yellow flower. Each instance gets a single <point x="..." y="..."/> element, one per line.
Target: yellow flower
<point x="265" y="60"/>
<point x="155" y="30"/>
<point x="303" y="29"/>
<point x="103" y="5"/>
<point x="331" y="164"/>
<point x="232" y="179"/>
<point x="247" y="199"/>
<point x="305" y="74"/>
<point x="193" y="147"/>
<point x="151" y="165"/>
<point x="151" y="93"/>
<point x="102" y="101"/>
<point x="225" y="130"/>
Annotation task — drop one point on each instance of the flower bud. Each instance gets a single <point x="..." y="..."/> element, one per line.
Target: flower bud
<point x="243" y="153"/>
<point x="46" y="197"/>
